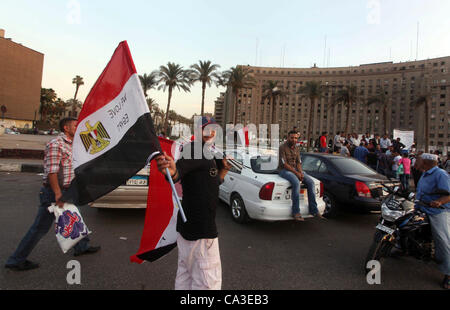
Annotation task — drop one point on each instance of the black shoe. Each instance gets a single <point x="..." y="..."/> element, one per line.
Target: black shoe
<point x="26" y="265"/>
<point x="89" y="250"/>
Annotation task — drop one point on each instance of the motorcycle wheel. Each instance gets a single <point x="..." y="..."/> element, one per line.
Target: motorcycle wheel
<point x="380" y="248"/>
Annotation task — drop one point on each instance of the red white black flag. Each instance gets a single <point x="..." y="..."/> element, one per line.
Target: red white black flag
<point x="159" y="236"/>
<point x="115" y="134"/>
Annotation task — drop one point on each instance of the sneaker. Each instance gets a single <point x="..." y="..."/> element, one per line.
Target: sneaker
<point x="26" y="265"/>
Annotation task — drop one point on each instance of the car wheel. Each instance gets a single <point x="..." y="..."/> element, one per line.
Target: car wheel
<point x="237" y="208"/>
<point x="331" y="207"/>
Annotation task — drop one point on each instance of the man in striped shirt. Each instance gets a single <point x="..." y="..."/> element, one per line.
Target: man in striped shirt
<point x="58" y="174"/>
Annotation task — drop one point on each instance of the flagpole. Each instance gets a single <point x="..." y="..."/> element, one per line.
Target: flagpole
<point x="174" y="192"/>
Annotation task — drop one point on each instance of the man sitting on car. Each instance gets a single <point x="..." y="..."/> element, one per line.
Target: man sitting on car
<point x="290" y="167"/>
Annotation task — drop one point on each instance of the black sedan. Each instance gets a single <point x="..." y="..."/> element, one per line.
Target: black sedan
<point x="347" y="182"/>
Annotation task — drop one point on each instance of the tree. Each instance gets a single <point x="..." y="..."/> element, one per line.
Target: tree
<point x="149" y="81"/>
<point x="170" y="77"/>
<point x="347" y="96"/>
<point x="206" y="73"/>
<point x="152" y="105"/>
<point x="313" y="90"/>
<point x="382" y="100"/>
<point x="272" y="91"/>
<point x="48" y="97"/>
<point x="424" y="100"/>
<point x="78" y="81"/>
<point x="237" y="78"/>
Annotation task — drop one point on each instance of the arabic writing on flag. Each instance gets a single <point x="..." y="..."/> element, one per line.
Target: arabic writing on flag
<point x="115" y="134"/>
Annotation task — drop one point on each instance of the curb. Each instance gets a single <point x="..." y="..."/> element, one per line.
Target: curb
<point x="21" y="168"/>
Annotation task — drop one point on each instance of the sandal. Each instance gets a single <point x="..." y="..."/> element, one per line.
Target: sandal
<point x="298" y="217"/>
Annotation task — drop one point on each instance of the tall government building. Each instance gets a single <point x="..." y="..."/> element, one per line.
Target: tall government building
<point x="402" y="82"/>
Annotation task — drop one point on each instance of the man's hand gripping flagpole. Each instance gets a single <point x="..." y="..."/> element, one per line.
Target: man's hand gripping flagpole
<point x="165" y="165"/>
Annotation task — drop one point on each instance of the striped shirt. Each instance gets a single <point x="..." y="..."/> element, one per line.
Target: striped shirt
<point x="58" y="159"/>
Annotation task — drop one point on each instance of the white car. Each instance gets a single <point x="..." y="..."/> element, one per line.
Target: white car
<point x="132" y="195"/>
<point x="258" y="192"/>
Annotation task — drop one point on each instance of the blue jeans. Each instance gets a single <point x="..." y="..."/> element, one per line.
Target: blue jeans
<point x="42" y="224"/>
<point x="440" y="227"/>
<point x="295" y="182"/>
<point x="404" y="178"/>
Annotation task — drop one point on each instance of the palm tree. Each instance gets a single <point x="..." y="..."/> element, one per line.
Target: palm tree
<point x="272" y="91"/>
<point x="170" y="77"/>
<point x="347" y="96"/>
<point x="152" y="105"/>
<point x="48" y="97"/>
<point x="425" y="100"/>
<point x="237" y="78"/>
<point x="78" y="81"/>
<point x="313" y="90"/>
<point x="382" y="100"/>
<point x="206" y="73"/>
<point x="149" y="82"/>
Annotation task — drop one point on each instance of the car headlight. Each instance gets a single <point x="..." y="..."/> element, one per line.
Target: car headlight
<point x="390" y="215"/>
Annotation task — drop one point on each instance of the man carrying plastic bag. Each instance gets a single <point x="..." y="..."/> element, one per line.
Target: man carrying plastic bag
<point x="58" y="174"/>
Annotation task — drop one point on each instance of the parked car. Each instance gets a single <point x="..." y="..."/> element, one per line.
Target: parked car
<point x="132" y="195"/>
<point x="347" y="181"/>
<point x="12" y="131"/>
<point x="257" y="191"/>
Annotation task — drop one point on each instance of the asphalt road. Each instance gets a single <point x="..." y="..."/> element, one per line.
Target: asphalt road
<point x="313" y="255"/>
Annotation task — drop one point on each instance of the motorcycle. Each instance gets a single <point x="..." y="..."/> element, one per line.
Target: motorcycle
<point x="402" y="227"/>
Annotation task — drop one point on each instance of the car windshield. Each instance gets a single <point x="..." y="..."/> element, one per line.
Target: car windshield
<point x="351" y="166"/>
<point x="265" y="164"/>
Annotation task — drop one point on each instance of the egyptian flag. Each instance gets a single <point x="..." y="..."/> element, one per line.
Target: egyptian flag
<point x="115" y="137"/>
<point x="159" y="236"/>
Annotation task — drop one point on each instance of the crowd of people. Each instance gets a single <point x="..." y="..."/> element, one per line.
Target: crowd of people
<point x="386" y="155"/>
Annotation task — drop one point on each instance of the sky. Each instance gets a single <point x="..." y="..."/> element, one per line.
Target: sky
<point x="78" y="37"/>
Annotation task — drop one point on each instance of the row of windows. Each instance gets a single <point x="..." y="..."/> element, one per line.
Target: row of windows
<point x="315" y="72"/>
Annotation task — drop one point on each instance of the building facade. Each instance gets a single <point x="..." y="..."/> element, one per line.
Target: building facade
<point x="402" y="83"/>
<point x="20" y="81"/>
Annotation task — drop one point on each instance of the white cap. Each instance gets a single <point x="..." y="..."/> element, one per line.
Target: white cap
<point x="429" y="156"/>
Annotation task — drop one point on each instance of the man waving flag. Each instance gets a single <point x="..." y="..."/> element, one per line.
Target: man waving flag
<point x="115" y="135"/>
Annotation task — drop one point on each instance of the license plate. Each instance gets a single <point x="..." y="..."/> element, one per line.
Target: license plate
<point x="388" y="230"/>
<point x="138" y="181"/>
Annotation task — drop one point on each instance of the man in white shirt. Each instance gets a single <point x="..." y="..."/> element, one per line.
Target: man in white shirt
<point x="344" y="149"/>
<point x="355" y="140"/>
<point x="337" y="142"/>
<point x="396" y="164"/>
<point x="385" y="143"/>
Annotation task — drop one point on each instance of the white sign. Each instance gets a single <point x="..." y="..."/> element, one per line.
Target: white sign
<point x="406" y="137"/>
